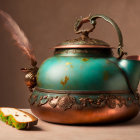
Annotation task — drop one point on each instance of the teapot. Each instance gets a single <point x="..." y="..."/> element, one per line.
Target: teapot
<point x="84" y="82"/>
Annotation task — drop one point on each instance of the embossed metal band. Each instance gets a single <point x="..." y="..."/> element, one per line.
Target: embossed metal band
<point x="72" y="102"/>
<point x="81" y="92"/>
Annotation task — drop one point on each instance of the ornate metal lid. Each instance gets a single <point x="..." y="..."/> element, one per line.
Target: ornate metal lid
<point x="85" y="41"/>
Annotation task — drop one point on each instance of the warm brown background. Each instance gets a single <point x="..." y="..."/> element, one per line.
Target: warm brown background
<point x="48" y="22"/>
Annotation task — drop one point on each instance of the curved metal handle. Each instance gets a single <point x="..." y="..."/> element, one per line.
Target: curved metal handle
<point x="92" y="20"/>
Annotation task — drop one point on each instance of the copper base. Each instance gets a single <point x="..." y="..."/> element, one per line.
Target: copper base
<point x="86" y="115"/>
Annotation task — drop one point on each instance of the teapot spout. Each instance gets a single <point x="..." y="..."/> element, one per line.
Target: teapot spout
<point x="131" y="66"/>
<point x="30" y="77"/>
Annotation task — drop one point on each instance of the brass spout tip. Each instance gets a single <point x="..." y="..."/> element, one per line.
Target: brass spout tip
<point x="25" y="70"/>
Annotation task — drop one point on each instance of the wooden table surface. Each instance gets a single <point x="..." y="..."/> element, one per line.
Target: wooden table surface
<point x="47" y="131"/>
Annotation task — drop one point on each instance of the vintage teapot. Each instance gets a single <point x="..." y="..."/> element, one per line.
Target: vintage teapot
<point x="83" y="82"/>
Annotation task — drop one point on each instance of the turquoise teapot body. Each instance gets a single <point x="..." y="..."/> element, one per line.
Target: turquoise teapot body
<point x="84" y="83"/>
<point x="87" y="72"/>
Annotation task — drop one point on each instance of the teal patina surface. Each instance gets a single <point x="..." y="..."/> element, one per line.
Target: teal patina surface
<point x="65" y="72"/>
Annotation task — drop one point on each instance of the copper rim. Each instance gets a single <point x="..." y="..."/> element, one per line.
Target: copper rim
<point x="82" y="46"/>
<point x="81" y="92"/>
<point x="91" y="115"/>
